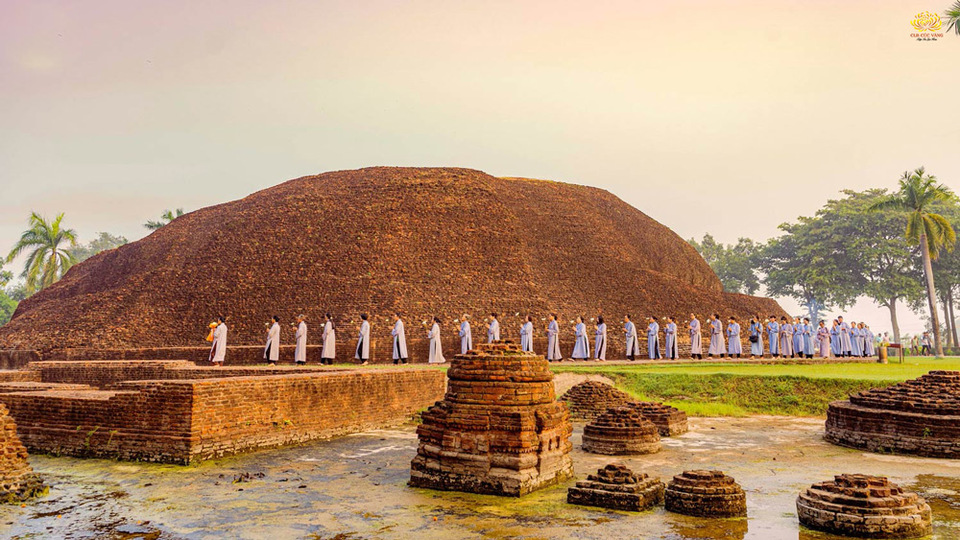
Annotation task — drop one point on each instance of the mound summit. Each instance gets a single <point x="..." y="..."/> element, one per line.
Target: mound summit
<point x="426" y="241"/>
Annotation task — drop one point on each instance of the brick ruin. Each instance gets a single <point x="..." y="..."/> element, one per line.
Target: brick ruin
<point x="590" y="399"/>
<point x="17" y="479"/>
<point x="177" y="412"/>
<point x="864" y="506"/>
<point x="618" y="488"/>
<point x="499" y="430"/>
<point x="920" y="417"/>
<point x="671" y="421"/>
<point x="621" y="431"/>
<point x="705" y="494"/>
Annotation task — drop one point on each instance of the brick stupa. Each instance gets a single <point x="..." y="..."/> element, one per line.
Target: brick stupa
<point x="590" y="399"/>
<point x="705" y="494"/>
<point x="499" y="430"/>
<point x="670" y="421"/>
<point x="17" y="479"/>
<point x="621" y="431"/>
<point x="920" y="416"/>
<point x="864" y="506"/>
<point x="618" y="488"/>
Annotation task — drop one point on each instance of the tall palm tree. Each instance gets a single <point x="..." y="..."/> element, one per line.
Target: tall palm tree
<point x="166" y="217"/>
<point x="952" y="16"/>
<point x="917" y="194"/>
<point x="49" y="246"/>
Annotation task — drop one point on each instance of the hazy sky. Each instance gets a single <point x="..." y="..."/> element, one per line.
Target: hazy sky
<point x="710" y="116"/>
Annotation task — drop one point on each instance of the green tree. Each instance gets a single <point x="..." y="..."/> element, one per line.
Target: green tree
<point x="166" y="217"/>
<point x="103" y="242"/>
<point x="49" y="257"/>
<point x="918" y="193"/>
<point x="871" y="247"/>
<point x="952" y="16"/>
<point x="734" y="264"/>
<point x="7" y="304"/>
<point x="946" y="274"/>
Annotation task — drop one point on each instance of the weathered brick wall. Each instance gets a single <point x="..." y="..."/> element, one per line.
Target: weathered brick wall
<point x="17" y="480"/>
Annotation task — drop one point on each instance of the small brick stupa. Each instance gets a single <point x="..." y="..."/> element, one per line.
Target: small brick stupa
<point x="670" y="421"/>
<point x="705" y="494"/>
<point x="864" y="506"/>
<point x="920" y="416"/>
<point x="17" y="479"/>
<point x="590" y="399"/>
<point x="499" y="430"/>
<point x="621" y="431"/>
<point x="618" y="488"/>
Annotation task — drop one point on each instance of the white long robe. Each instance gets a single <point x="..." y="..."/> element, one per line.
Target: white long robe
<point x="493" y="331"/>
<point x="581" y="347"/>
<point x="553" y="341"/>
<point x="633" y="344"/>
<point x="466" y="337"/>
<point x="271" y="351"/>
<point x="600" y="347"/>
<point x="399" y="341"/>
<point x="526" y="337"/>
<point x="696" y="338"/>
<point x="436" y="350"/>
<point x="218" y="349"/>
<point x="300" y="353"/>
<point x="717" y="345"/>
<point x="329" y="341"/>
<point x="363" y="342"/>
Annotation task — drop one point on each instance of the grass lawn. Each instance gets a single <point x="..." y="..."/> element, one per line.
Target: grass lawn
<point x="740" y="389"/>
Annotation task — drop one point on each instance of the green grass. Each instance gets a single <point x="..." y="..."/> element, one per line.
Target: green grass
<point x="741" y="389"/>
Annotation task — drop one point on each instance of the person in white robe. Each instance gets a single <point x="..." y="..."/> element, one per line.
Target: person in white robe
<point x="653" y="338"/>
<point x="633" y="343"/>
<point x="436" y="349"/>
<point x="553" y="340"/>
<point x="271" y="352"/>
<point x="526" y="335"/>
<point x="218" y="349"/>
<point x="363" y="340"/>
<point x="399" y="342"/>
<point x="717" y="345"/>
<point x="696" y="338"/>
<point x="329" y="351"/>
<point x="670" y="339"/>
<point x="493" y="329"/>
<point x="734" y="346"/>
<point x="466" y="337"/>
<point x="581" y="344"/>
<point x="300" y="352"/>
<point x="600" y="347"/>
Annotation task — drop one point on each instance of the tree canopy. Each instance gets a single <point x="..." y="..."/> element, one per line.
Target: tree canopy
<point x="734" y="264"/>
<point x="48" y="246"/>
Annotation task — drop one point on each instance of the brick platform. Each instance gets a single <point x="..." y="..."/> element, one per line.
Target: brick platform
<point x="176" y="412"/>
<point x="17" y="479"/>
<point x="705" y="494"/>
<point x="864" y="506"/>
<point x="590" y="399"/>
<point x="618" y="488"/>
<point x="670" y="421"/>
<point x="499" y="430"/>
<point x="621" y="431"/>
<point x="920" y="416"/>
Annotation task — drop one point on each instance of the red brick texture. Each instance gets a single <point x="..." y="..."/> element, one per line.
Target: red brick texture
<point x="17" y="480"/>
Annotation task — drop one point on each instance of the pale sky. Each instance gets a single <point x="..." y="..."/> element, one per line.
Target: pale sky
<point x="710" y="116"/>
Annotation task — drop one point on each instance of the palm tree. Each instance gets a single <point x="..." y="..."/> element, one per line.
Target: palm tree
<point x="952" y="16"/>
<point x="917" y="194"/>
<point x="50" y="251"/>
<point x="166" y="217"/>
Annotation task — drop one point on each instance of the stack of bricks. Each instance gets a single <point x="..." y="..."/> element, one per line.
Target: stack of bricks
<point x="864" y="506"/>
<point x="705" y="494"/>
<point x="17" y="480"/>
<point x="621" y="431"/>
<point x="920" y="416"/>
<point x="618" y="488"/>
<point x="590" y="399"/>
<point x="499" y="430"/>
<point x="671" y="421"/>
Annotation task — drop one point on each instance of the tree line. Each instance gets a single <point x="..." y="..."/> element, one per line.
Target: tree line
<point x="895" y="248"/>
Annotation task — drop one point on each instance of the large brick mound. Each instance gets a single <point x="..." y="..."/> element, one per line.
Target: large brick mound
<point x="621" y="431"/>
<point x="427" y="241"/>
<point x="18" y="482"/>
<point x="920" y="417"/>
<point x="864" y="506"/>
<point x="499" y="430"/>
<point x="705" y="494"/>
<point x="617" y="487"/>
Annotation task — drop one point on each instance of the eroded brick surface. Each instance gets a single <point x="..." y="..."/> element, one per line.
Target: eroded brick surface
<point x="17" y="479"/>
<point x="705" y="494"/>
<point x="621" y="431"/>
<point x="617" y="487"/>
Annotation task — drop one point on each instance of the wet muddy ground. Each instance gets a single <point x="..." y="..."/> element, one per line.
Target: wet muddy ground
<point x="355" y="487"/>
